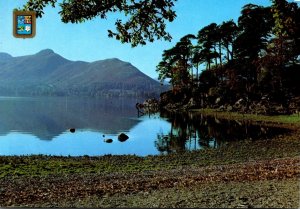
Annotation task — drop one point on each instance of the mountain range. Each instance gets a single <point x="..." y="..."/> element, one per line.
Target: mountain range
<point x="49" y="74"/>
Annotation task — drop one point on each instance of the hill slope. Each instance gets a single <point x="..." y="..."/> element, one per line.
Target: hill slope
<point x="47" y="73"/>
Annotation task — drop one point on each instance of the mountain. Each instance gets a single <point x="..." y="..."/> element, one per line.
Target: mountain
<point x="47" y="73"/>
<point x="4" y="57"/>
<point x="165" y="82"/>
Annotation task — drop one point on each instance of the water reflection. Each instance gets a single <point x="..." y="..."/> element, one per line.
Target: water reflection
<point x="82" y="126"/>
<point x="47" y="117"/>
<point x="193" y="131"/>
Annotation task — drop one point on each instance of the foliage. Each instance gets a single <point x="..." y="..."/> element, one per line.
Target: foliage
<point x="255" y="59"/>
<point x="176" y="63"/>
<point x="228" y="35"/>
<point x="145" y="20"/>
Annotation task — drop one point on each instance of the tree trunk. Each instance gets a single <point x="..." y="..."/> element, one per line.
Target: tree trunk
<point x="216" y="59"/>
<point x="192" y="71"/>
<point x="208" y="65"/>
<point x="228" y="53"/>
<point x="220" y="54"/>
<point x="197" y="75"/>
<point x="231" y="53"/>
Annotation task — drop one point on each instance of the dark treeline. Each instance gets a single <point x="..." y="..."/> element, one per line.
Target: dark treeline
<point x="251" y="66"/>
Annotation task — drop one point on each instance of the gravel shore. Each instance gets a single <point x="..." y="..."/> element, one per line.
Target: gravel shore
<point x="255" y="194"/>
<point x="251" y="184"/>
<point x="262" y="173"/>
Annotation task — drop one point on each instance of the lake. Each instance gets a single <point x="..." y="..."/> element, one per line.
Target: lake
<point x="32" y="125"/>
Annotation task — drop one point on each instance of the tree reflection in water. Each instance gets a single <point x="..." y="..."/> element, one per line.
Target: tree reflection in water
<point x="193" y="131"/>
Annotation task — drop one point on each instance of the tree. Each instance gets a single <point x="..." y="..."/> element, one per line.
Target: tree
<point x="176" y="62"/>
<point x="171" y="67"/>
<point x="164" y="69"/>
<point x="145" y="19"/>
<point x="228" y="32"/>
<point x="282" y="52"/>
<point x="255" y="25"/>
<point x="185" y="51"/>
<point x="263" y="59"/>
<point x="287" y="31"/>
<point x="197" y="59"/>
<point x="208" y="38"/>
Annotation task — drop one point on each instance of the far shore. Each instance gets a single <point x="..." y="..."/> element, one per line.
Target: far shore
<point x="288" y="121"/>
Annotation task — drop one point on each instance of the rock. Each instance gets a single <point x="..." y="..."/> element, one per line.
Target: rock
<point x="222" y="108"/>
<point x="213" y="91"/>
<point x="279" y="109"/>
<point x="151" y="102"/>
<point x="244" y="199"/>
<point x="108" y="140"/>
<point x="139" y="106"/>
<point x="218" y="100"/>
<point x="242" y="206"/>
<point x="191" y="103"/>
<point x="151" y="105"/>
<point x="172" y="107"/>
<point x="122" y="137"/>
<point x="265" y="97"/>
<point x="229" y="108"/>
<point x="72" y="130"/>
<point x="239" y="102"/>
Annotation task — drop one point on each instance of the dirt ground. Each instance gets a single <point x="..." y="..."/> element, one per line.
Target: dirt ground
<point x="266" y="183"/>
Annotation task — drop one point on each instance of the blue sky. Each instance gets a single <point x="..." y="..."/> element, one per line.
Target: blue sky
<point x="89" y="42"/>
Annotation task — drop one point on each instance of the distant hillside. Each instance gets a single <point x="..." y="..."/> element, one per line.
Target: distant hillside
<point x="47" y="73"/>
<point x="4" y="57"/>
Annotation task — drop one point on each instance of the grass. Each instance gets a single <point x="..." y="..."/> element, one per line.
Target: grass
<point x="282" y="119"/>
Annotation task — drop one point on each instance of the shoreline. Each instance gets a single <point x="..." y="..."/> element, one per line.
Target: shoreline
<point x="233" y="175"/>
<point x="285" y="121"/>
<point x="280" y="146"/>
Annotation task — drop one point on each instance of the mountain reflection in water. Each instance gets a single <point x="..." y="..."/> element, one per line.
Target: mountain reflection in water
<point x="42" y="126"/>
<point x="48" y="117"/>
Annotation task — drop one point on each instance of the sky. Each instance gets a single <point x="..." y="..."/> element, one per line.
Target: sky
<point x="88" y="41"/>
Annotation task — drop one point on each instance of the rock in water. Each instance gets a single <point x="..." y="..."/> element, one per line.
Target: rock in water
<point x="72" y="130"/>
<point x="108" y="140"/>
<point x="123" y="137"/>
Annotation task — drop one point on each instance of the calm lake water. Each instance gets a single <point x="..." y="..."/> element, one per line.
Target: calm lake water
<point x="42" y="126"/>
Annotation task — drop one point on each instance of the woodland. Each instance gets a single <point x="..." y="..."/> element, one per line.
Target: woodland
<point x="251" y="66"/>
